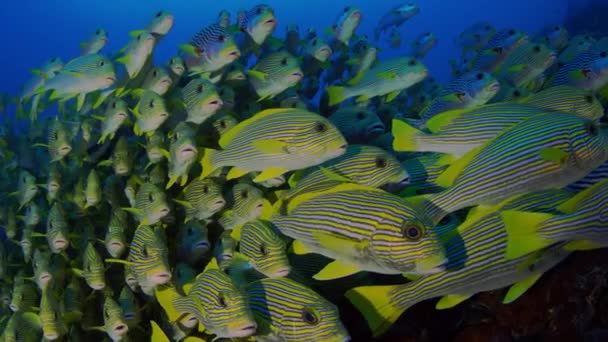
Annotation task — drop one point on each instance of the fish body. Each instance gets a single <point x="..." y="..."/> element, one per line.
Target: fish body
<point x="201" y="100"/>
<point x="26" y="188"/>
<point x="588" y="70"/>
<point x="115" y="240"/>
<point x="475" y="37"/>
<point x="264" y="250"/>
<point x="346" y="24"/>
<point x="287" y="139"/>
<point x="396" y="17"/>
<point x="387" y="77"/>
<point x="137" y="52"/>
<point x="259" y="23"/>
<point x="211" y="49"/>
<point x="192" y="242"/>
<point x="498" y="48"/>
<point x="150" y="113"/>
<point x="204" y="198"/>
<point x="246" y="203"/>
<point x="526" y="63"/>
<point x="57" y="229"/>
<point x="96" y="42"/>
<point x="423" y="44"/>
<point x="148" y="258"/>
<point x="567" y="99"/>
<point x="150" y="204"/>
<point x="274" y="73"/>
<point x="358" y="125"/>
<point x="158" y="80"/>
<point x="182" y="154"/>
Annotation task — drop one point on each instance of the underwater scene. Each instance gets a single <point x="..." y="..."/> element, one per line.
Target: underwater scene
<point x="304" y="171"/>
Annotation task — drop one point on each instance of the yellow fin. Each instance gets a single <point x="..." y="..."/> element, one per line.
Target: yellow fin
<point x="269" y="173"/>
<point x="166" y="296"/>
<point x="158" y="335"/>
<point x="519" y="288"/>
<point x="554" y="155"/>
<point x="404" y="136"/>
<point x="391" y="96"/>
<point x="449" y="176"/>
<point x="295" y="178"/>
<point x="212" y="265"/>
<point x="441" y="120"/>
<point x="267" y="210"/>
<point x="334" y="176"/>
<point x="450" y="301"/>
<point x="569" y="206"/>
<point x="356" y="79"/>
<point x="257" y="74"/>
<point x="387" y="75"/>
<point x="335" y="270"/>
<point x="336" y="95"/>
<point x="207" y="162"/>
<point x="378" y="305"/>
<point x="235" y="172"/>
<point x="583" y="245"/>
<point x="362" y="98"/>
<point x="299" y="248"/>
<point x="522" y="232"/>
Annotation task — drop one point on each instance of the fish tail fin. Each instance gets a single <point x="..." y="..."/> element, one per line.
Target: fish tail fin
<point x="34" y="107"/>
<point x="207" y="162"/>
<point x="522" y="232"/>
<point x="336" y="95"/>
<point x="405" y="136"/>
<point x="378" y="304"/>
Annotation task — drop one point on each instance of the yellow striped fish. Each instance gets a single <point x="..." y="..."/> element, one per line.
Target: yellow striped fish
<point x="582" y="220"/>
<point x="150" y="205"/>
<point x="387" y="77"/>
<point x="92" y="190"/>
<point x="275" y="141"/>
<point x="477" y="263"/>
<point x="526" y="63"/>
<point x="274" y="73"/>
<point x="24" y="295"/>
<point x="26" y="188"/>
<point x="363" y="229"/>
<point x="154" y="146"/>
<point x="93" y="268"/>
<point x="288" y="311"/>
<point x="130" y="307"/>
<point x="547" y="151"/>
<point x="182" y="154"/>
<point x="135" y="54"/>
<point x="424" y="170"/>
<point x="58" y="141"/>
<point x="201" y="100"/>
<point x="246" y="203"/>
<point x="150" y="112"/>
<point x="148" y="258"/>
<point x="57" y="229"/>
<point x="568" y="99"/>
<point x="202" y="199"/>
<point x="116" y="113"/>
<point x="49" y="319"/>
<point x="121" y="159"/>
<point x="115" y="239"/>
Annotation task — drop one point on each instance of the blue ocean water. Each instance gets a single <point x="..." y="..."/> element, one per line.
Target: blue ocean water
<point x="33" y="31"/>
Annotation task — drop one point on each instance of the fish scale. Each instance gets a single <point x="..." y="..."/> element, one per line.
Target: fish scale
<point x="259" y="234"/>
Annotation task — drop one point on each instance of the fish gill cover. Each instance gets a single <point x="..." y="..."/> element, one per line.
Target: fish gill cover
<point x="317" y="171"/>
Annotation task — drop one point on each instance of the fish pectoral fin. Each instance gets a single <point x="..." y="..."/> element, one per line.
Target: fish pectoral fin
<point x="411" y="276"/>
<point x="80" y="101"/>
<point x="554" y="155"/>
<point x="299" y="248"/>
<point x="336" y="269"/>
<point x="267" y="210"/>
<point x="386" y="75"/>
<point x="519" y="288"/>
<point x="32" y="319"/>
<point x="448" y="177"/>
<point x="583" y="245"/>
<point x="334" y="175"/>
<point x="270" y="173"/>
<point x="158" y="335"/>
<point x="391" y="96"/>
<point x="271" y="146"/>
<point x="235" y="172"/>
<point x="257" y="74"/>
<point x="362" y="98"/>
<point x="183" y="203"/>
<point x="451" y="301"/>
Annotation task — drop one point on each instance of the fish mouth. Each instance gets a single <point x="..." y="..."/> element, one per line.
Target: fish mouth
<point x="53" y="187"/>
<point x="218" y="205"/>
<point x="65" y="149"/>
<point x="60" y="244"/>
<point x="121" y="170"/>
<point x="13" y="307"/>
<point x="120" y="329"/>
<point x="375" y="129"/>
<point x="167" y="81"/>
<point x="245" y="331"/>
<point x="163" y="114"/>
<point x="270" y="22"/>
<point x="234" y="54"/>
<point x="155" y="155"/>
<point x="115" y="248"/>
<point x="51" y="336"/>
<point x="160" y="278"/>
<point x="111" y="79"/>
<point x="99" y="286"/>
<point x="190" y="322"/>
<point x="395" y="187"/>
<point x="188" y="151"/>
<point x="495" y="86"/>
<point x="45" y="277"/>
<point x="164" y="212"/>
<point x="215" y="104"/>
<point x="325" y="52"/>
<point x="201" y="245"/>
<point x="281" y="272"/>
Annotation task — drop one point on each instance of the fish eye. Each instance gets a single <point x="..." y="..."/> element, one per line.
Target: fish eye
<point x="314" y="42"/>
<point x="98" y="32"/>
<point x="488" y="27"/>
<point x="221" y="300"/>
<point x="221" y="38"/>
<point x="190" y="231"/>
<point x="412" y="62"/>
<point x="380" y="163"/>
<point x="222" y="124"/>
<point x="102" y="63"/>
<point x="139" y="37"/>
<point x="284" y="61"/>
<point x="144" y="252"/>
<point x="479" y="76"/>
<point x="114" y="105"/>
<point x="200" y="88"/>
<point x="580" y="43"/>
<point x="263" y="250"/>
<point x="589" y="99"/>
<point x="511" y="32"/>
<point x="106" y="314"/>
<point x="151" y="104"/>
<point x="159" y="14"/>
<point x="603" y="54"/>
<point x="309" y="317"/>
<point x="320" y="127"/>
<point x="412" y="231"/>
<point x="497" y="49"/>
<point x="517" y="93"/>
<point x="591" y="128"/>
<point x="155" y="73"/>
<point x="53" y="60"/>
<point x="536" y="49"/>
<point x="294" y="105"/>
<point x="346" y="9"/>
<point x="427" y="34"/>
<point x="150" y="197"/>
<point x="259" y="10"/>
<point x="360" y="116"/>
<point x="244" y="194"/>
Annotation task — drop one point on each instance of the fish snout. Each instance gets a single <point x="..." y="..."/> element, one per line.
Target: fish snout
<point x="161" y="277"/>
<point x="120" y="329"/>
<point x="281" y="272"/>
<point x="97" y="286"/>
<point x="248" y="329"/>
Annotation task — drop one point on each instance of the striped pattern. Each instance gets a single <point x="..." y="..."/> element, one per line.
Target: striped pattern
<point x="512" y="163"/>
<point x="245" y="203"/>
<point x="357" y="124"/>
<point x="82" y="75"/>
<point x="93" y="268"/>
<point x="281" y="70"/>
<point x="265" y="249"/>
<point x="205" y="198"/>
<point x="575" y="73"/>
<point x="211" y="39"/>
<point x="362" y="164"/>
<point x="113" y="319"/>
<point x="24" y="295"/>
<point x="50" y="316"/>
<point x="57" y="229"/>
<point x="595" y="176"/>
<point x="122" y="160"/>
<point x="148" y="254"/>
<point x="475" y="89"/>
<point x="152" y="203"/>
<point x="196" y="96"/>
<point x="183" y="153"/>
<point x="371" y="225"/>
<point x="158" y="80"/>
<point x="476" y="263"/>
<point x="26" y="188"/>
<point x="576" y="45"/>
<point x="309" y="139"/>
<point x="115" y="239"/>
<point x="255" y="16"/>
<point x="217" y="304"/>
<point x="115" y="114"/>
<point x="567" y="99"/>
<point x="130" y="308"/>
<point x="288" y="311"/>
<point x="152" y="112"/>
<point x="526" y="63"/>
<point x="588" y="220"/>
<point x="498" y="48"/>
<point x="92" y="190"/>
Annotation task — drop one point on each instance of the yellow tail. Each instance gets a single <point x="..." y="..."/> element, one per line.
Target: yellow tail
<point x="336" y="95"/>
<point x="404" y="136"/>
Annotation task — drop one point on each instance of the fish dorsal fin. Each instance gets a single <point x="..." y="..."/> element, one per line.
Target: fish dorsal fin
<point x="569" y="206"/>
<point x="212" y="265"/>
<point x="228" y="136"/>
<point x="299" y="199"/>
<point x="439" y="121"/>
<point x="447" y="178"/>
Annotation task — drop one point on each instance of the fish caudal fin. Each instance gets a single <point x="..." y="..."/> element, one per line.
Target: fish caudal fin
<point x="336" y="95"/>
<point x="207" y="162"/>
<point x="378" y="305"/>
<point x="405" y="136"/>
<point x="522" y="232"/>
